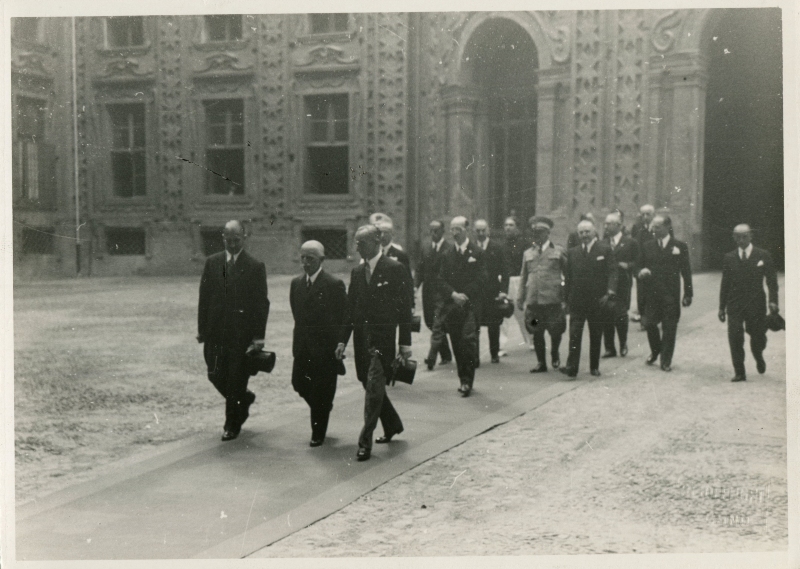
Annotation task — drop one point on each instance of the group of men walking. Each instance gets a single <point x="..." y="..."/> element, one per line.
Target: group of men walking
<point x="467" y="284"/>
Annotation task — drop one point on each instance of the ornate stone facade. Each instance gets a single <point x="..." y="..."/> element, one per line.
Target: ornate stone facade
<point x="619" y="113"/>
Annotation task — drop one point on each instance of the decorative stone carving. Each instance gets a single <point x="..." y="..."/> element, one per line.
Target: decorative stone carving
<point x="630" y="98"/>
<point x="557" y="28"/>
<point x="272" y="80"/>
<point x="170" y="113"/>
<point x="588" y="72"/>
<point x="325" y="55"/>
<point x="224" y="62"/>
<point x="29" y="63"/>
<point x="665" y="30"/>
<point x="124" y="67"/>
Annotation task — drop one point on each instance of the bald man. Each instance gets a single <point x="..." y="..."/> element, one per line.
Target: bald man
<point x="319" y="306"/>
<point x="462" y="278"/>
<point x="742" y="298"/>
<point x="231" y="321"/>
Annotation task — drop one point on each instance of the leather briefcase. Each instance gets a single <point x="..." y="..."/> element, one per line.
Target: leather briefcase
<point x="403" y="373"/>
<point x="259" y="360"/>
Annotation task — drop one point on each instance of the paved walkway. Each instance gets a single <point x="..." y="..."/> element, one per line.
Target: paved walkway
<point x="227" y="500"/>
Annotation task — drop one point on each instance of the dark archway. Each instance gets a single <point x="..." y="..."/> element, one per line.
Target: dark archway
<point x="500" y="63"/>
<point x="743" y="179"/>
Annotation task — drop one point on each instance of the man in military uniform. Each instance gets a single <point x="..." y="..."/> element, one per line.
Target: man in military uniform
<point x="541" y="294"/>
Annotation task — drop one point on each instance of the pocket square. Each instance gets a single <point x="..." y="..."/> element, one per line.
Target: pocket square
<point x="760" y="264"/>
<point x="383" y="283"/>
<point x="601" y="257"/>
<point x="676" y="251"/>
<point x="472" y="260"/>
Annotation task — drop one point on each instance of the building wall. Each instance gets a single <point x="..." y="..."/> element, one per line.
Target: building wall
<point x="619" y="115"/>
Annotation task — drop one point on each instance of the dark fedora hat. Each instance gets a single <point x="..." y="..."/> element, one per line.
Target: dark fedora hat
<point x="403" y="373"/>
<point x="259" y="360"/>
<point x="775" y="322"/>
<point x="505" y="307"/>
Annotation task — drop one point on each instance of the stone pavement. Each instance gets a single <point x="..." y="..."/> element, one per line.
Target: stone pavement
<point x="228" y="500"/>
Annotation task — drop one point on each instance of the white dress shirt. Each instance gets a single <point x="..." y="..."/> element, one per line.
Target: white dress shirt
<point x="744" y="254"/>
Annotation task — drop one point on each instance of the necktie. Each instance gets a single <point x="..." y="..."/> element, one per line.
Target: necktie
<point x="367" y="271"/>
<point x="308" y="283"/>
<point x="585" y="249"/>
<point x="743" y="254"/>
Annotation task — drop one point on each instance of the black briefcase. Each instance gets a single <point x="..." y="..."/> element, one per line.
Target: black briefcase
<point x="416" y="323"/>
<point x="259" y="360"/>
<point x="403" y="373"/>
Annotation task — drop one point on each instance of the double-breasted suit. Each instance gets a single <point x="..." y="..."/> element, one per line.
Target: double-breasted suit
<point x="380" y="314"/>
<point x="462" y="270"/>
<point x="662" y="292"/>
<point x="232" y="312"/>
<point x="426" y="277"/>
<point x="626" y="250"/>
<point x="742" y="296"/>
<point x="320" y="316"/>
<point x="497" y="282"/>
<point x="590" y="276"/>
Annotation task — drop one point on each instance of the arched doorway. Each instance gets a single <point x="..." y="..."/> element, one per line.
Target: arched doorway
<point x="743" y="170"/>
<point x="499" y="66"/>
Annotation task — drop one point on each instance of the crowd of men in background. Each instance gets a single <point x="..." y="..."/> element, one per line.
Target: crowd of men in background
<point x="470" y="282"/>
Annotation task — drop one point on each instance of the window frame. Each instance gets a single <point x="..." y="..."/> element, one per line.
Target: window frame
<point x="107" y="45"/>
<point x="207" y="145"/>
<point x="308" y="142"/>
<point x="129" y="150"/>
<point x="331" y="24"/>
<point x="205" y="36"/>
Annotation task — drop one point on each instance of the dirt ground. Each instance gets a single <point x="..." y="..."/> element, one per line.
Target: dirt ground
<point x="635" y="461"/>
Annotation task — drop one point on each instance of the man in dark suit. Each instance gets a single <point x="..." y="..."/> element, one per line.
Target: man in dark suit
<point x="394" y="251"/>
<point x="741" y="295"/>
<point x="379" y="304"/>
<point x="496" y="288"/>
<point x="626" y="252"/>
<point x="663" y="261"/>
<point x="319" y="307"/>
<point x="640" y="232"/>
<point x="574" y="238"/>
<point x="462" y="276"/>
<point x="425" y="277"/>
<point x="590" y="280"/>
<point x="232" y="321"/>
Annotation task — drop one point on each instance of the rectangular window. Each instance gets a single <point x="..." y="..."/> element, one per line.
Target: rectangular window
<point x="212" y="240"/>
<point x="225" y="146"/>
<point x="328" y="23"/>
<point x="38" y="241"/>
<point x="125" y="31"/>
<point x="29" y="139"/>
<point x="125" y="241"/>
<point x="223" y="28"/>
<point x="327" y="147"/>
<point x="334" y="241"/>
<point x="128" y="164"/>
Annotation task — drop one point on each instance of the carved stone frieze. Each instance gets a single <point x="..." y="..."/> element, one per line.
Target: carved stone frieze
<point x="324" y="55"/>
<point x="223" y="62"/>
<point x="170" y="114"/>
<point x="556" y="25"/>
<point x="273" y="116"/>
<point x="30" y="63"/>
<point x="128" y="67"/>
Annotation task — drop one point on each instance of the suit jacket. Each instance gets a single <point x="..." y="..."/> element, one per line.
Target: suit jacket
<point x="377" y="309"/>
<point x="402" y="257"/>
<point x="589" y="277"/>
<point x="320" y="318"/>
<point x="497" y="280"/>
<point x="640" y="233"/>
<point x="233" y="308"/>
<point x="667" y="266"/>
<point x="463" y="273"/>
<point x="513" y="249"/>
<point x="626" y="251"/>
<point x="427" y="275"/>
<point x="743" y="281"/>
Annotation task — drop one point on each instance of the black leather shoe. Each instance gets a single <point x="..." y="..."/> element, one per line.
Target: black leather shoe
<point x="430" y="363"/>
<point x="570" y="373"/>
<point x="495" y="359"/>
<point x="651" y="359"/>
<point x="250" y="398"/>
<point x="316" y="442"/>
<point x="386" y="438"/>
<point x="595" y="372"/>
<point x="623" y="350"/>
<point x="739" y="378"/>
<point x="666" y="367"/>
<point x="363" y="454"/>
<point x="761" y="365"/>
<point x="464" y="390"/>
<point x="610" y="354"/>
<point x="556" y="363"/>
<point x="540" y="368"/>
<point x="444" y="362"/>
<point x="229" y="435"/>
